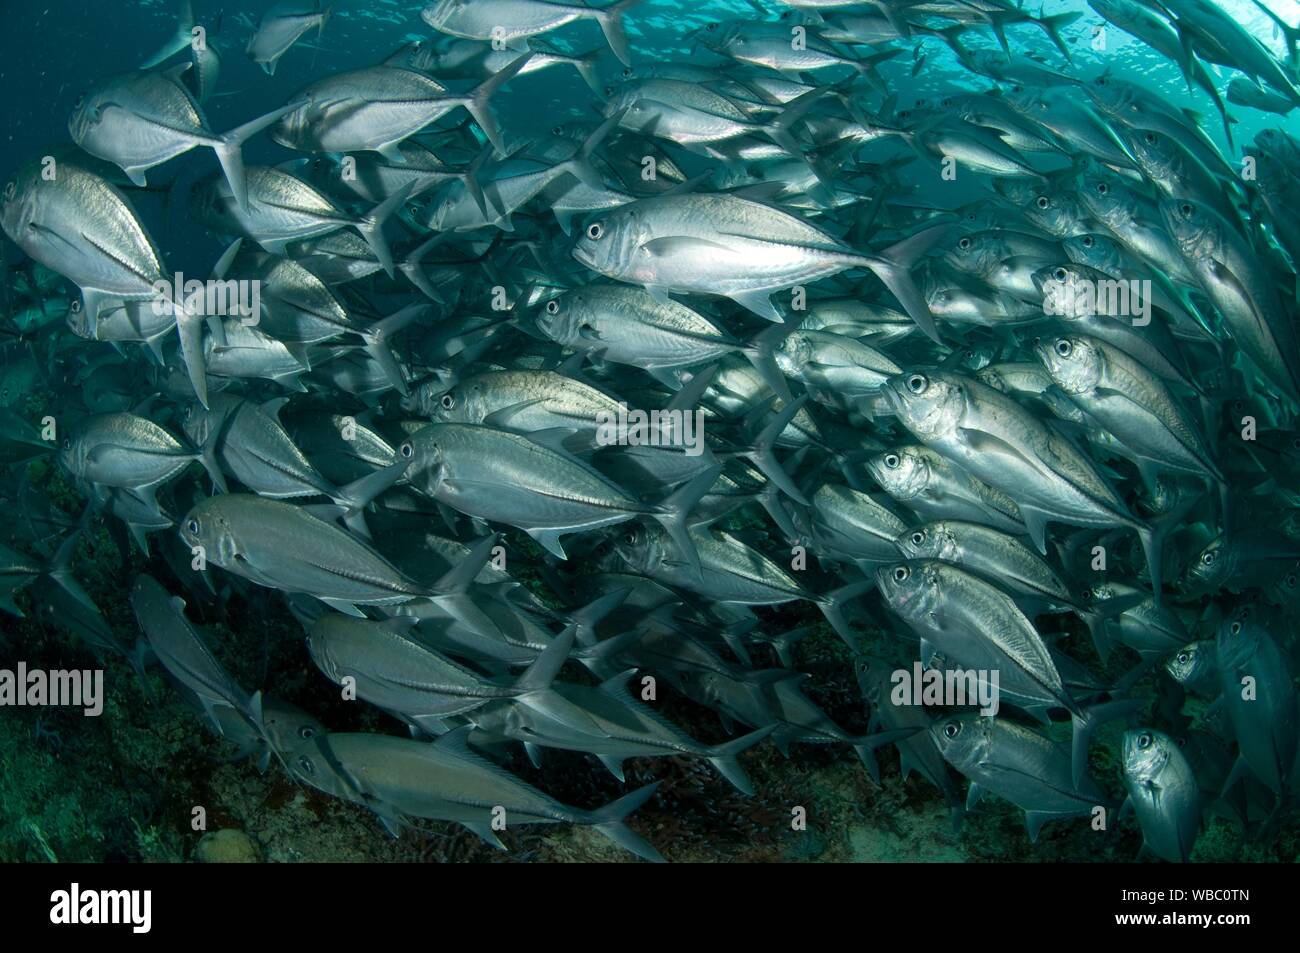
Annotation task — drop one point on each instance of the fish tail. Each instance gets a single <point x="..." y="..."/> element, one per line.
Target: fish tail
<point x="674" y="511"/>
<point x="832" y="605"/>
<point x="458" y="580"/>
<point x="371" y="226"/>
<point x="228" y="149"/>
<point x="1084" y="721"/>
<point x="866" y="68"/>
<point x="580" y="165"/>
<point x="180" y="39"/>
<point x="378" y="346"/>
<point x="611" y="23"/>
<point x="780" y="130"/>
<point x="478" y="101"/>
<point x="189" y="327"/>
<point x="1051" y="25"/>
<point x="357" y="495"/>
<point x="609" y="821"/>
<point x="866" y="745"/>
<point x="761" y="353"/>
<point x="724" y="758"/>
<point x="893" y="267"/>
<point x="589" y="616"/>
<point x="763" y="453"/>
<point x="586" y="67"/>
<point x="1153" y="546"/>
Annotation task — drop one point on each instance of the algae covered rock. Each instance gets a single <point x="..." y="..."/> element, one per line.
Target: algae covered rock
<point x="228" y="846"/>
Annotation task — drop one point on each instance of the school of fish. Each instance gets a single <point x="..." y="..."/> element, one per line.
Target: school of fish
<point x="756" y="346"/>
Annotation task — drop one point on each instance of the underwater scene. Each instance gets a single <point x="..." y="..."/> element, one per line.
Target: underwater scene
<point x="749" y="430"/>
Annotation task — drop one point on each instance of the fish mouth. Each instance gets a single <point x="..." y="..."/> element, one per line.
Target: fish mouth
<point x="891" y="392"/>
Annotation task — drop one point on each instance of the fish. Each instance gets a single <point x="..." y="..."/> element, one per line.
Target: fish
<point x="737" y="247"/>
<point x="85" y="228"/>
<point x="1163" y="791"/>
<point x="501" y="476"/>
<point x="1018" y="764"/>
<point x="376" y="109"/>
<point x="126" y="451"/>
<point x="181" y="649"/>
<point x="279" y="545"/>
<point x="141" y="120"/>
<point x="1259" y="695"/>
<point x="514" y="22"/>
<point x="283" y="25"/>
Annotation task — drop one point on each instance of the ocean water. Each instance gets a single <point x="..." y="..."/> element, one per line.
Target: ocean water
<point x="55" y="50"/>
<point x="123" y="788"/>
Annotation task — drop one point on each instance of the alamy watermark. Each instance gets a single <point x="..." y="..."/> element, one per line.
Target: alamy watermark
<point x="654" y="428"/>
<point x="951" y="688"/>
<point x="1114" y="297"/>
<point x="215" y="297"/>
<point x="36" y="687"/>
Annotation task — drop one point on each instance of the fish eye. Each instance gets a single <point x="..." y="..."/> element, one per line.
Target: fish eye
<point x="594" y="231"/>
<point x="1183" y="657"/>
<point x="917" y="383"/>
<point x="1295" y="444"/>
<point x="901" y="573"/>
<point x="1150" y="138"/>
<point x="1144" y="740"/>
<point x="67" y="443"/>
<point x="1207" y="559"/>
<point x="627" y="72"/>
<point x="1185" y="209"/>
<point x="448" y="402"/>
<point x="306" y="731"/>
<point x="557" y="130"/>
<point x="1059" y="274"/>
<point x="711" y="27"/>
<point x="1063" y="347"/>
<point x="552" y="307"/>
<point x="11" y="189"/>
<point x="1043" y="201"/>
<point x="407" y="450"/>
<point x="964" y="243"/>
<point x="193" y="527"/>
<point x="892" y="461"/>
<point x="952" y="729"/>
<point x="1087" y="241"/>
<point x="1235" y="628"/>
<point x="630" y="539"/>
<point x="1102" y="188"/>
